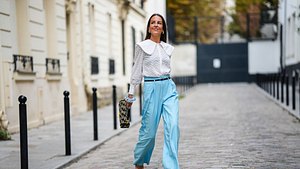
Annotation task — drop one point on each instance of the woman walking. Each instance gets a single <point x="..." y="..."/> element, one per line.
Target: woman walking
<point x="152" y="63"/>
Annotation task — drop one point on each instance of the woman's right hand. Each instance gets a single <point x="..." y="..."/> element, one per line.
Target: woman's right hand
<point x="129" y="104"/>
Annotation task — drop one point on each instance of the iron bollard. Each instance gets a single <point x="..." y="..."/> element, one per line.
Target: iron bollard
<point x="282" y="83"/>
<point x="257" y="80"/>
<point x="277" y="85"/>
<point x="270" y="84"/>
<point x="267" y="83"/>
<point x="293" y="92"/>
<point x="299" y="94"/>
<point x="273" y="82"/>
<point x="23" y="132"/>
<point x="141" y="103"/>
<point x="287" y="90"/>
<point x="95" y="113"/>
<point x="67" y="123"/>
<point x="129" y="112"/>
<point x="115" y="106"/>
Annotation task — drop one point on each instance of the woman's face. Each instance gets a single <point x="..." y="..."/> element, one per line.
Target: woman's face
<point x="156" y="26"/>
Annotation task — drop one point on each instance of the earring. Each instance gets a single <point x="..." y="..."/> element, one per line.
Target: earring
<point x="163" y="32"/>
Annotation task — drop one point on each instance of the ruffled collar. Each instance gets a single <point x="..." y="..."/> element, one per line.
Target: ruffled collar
<point x="148" y="46"/>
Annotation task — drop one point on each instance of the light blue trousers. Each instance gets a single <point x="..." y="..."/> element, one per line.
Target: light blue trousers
<point x="160" y="99"/>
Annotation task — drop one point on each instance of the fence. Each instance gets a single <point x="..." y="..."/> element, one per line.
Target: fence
<point x="183" y="83"/>
<point x="284" y="88"/>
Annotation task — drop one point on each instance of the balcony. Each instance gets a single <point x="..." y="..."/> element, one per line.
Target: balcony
<point x="53" y="69"/>
<point x="23" y="68"/>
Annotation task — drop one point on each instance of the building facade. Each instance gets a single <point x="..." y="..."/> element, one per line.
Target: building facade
<point x="48" y="47"/>
<point x="289" y="22"/>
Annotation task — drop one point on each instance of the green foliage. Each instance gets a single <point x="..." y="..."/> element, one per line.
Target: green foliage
<point x="4" y="135"/>
<point x="208" y="13"/>
<point x="252" y="7"/>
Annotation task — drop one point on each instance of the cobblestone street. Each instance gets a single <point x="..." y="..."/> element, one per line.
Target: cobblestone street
<point x="222" y="126"/>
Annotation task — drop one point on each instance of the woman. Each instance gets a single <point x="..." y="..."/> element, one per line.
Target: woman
<point x="152" y="62"/>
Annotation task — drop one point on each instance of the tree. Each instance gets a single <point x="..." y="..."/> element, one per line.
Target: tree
<point x="253" y="9"/>
<point x="208" y="14"/>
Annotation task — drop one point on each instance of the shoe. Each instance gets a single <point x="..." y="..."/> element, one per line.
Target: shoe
<point x="139" y="167"/>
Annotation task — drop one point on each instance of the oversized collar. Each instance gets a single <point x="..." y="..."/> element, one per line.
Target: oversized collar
<point x="148" y="46"/>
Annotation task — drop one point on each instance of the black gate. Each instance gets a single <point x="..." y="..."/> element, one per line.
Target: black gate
<point x="222" y="63"/>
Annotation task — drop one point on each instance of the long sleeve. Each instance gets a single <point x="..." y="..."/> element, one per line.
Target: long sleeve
<point x="137" y="69"/>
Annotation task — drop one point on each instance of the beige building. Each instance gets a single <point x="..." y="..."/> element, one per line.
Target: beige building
<point x="48" y="46"/>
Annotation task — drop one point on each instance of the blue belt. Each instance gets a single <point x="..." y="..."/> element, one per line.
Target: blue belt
<point x="154" y="80"/>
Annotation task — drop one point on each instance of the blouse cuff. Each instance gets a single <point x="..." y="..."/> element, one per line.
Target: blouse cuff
<point x="131" y="89"/>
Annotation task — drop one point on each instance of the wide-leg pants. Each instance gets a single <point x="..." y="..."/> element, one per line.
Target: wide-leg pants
<point x="160" y="99"/>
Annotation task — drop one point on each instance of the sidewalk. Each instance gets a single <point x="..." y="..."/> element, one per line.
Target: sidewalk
<point x="46" y="144"/>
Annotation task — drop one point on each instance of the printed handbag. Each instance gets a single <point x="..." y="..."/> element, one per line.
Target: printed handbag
<point x="124" y="114"/>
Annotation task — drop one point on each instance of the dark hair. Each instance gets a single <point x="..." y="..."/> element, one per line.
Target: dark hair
<point x="163" y="36"/>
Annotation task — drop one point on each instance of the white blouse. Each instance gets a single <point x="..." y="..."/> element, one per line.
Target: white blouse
<point x="151" y="59"/>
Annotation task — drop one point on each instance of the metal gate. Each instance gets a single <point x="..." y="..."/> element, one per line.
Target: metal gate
<point x="222" y="63"/>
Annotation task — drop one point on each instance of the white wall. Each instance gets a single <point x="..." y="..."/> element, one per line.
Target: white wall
<point x="26" y="35"/>
<point x="184" y="62"/>
<point x="263" y="57"/>
<point x="155" y="6"/>
<point x="288" y="15"/>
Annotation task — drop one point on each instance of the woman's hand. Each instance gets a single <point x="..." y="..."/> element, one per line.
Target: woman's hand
<point x="129" y="104"/>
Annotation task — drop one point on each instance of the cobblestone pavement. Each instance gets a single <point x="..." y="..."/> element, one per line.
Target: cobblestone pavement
<point x="222" y="126"/>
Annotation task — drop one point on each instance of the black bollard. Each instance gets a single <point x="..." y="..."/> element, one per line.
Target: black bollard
<point x="299" y="93"/>
<point x="95" y="113"/>
<point x="141" y="103"/>
<point x="282" y="83"/>
<point x="67" y="123"/>
<point x="23" y="132"/>
<point x="287" y="90"/>
<point x="115" y="106"/>
<point x="277" y="86"/>
<point x="293" y="92"/>
<point x="273" y="82"/>
<point x="269" y="84"/>
<point x="256" y="79"/>
<point x="129" y="112"/>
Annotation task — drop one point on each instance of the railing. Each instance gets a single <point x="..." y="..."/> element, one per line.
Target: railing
<point x="23" y="63"/>
<point x="284" y="88"/>
<point x="183" y="83"/>
<point x="52" y="65"/>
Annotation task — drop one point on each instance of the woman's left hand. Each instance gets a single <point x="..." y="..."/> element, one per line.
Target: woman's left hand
<point x="128" y="103"/>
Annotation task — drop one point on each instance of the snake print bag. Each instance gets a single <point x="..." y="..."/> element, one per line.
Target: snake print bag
<point x="124" y="114"/>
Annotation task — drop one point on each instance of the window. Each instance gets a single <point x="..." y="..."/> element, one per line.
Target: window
<point x="142" y="3"/>
<point x="142" y="36"/>
<point x="94" y="65"/>
<point x="111" y="66"/>
<point x="133" y="40"/>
